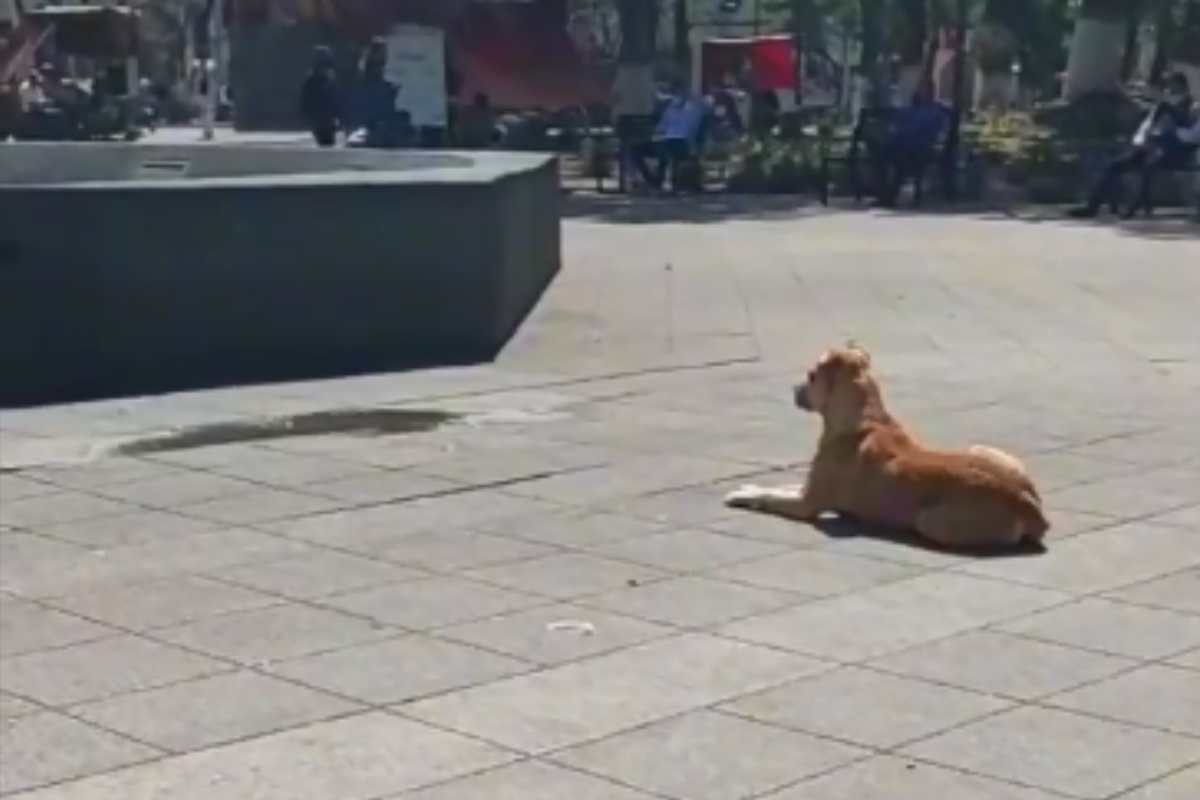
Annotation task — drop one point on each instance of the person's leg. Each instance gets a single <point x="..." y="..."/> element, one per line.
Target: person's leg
<point x="325" y="135"/>
<point x="906" y="163"/>
<point x="880" y="156"/>
<point x="911" y="167"/>
<point x="674" y="153"/>
<point x="1170" y="157"/>
<point x="1145" y="187"/>
<point x="640" y="154"/>
<point x="887" y="172"/>
<point x="1109" y="180"/>
<point x="664" y="153"/>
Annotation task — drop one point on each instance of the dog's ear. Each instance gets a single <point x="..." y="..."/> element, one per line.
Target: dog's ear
<point x="855" y="347"/>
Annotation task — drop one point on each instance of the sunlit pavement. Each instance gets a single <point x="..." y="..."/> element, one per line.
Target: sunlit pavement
<point x="543" y="598"/>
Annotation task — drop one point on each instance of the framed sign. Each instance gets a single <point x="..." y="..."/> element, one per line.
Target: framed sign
<point x="417" y="68"/>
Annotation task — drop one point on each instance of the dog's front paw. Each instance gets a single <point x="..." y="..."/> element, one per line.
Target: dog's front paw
<point x="748" y="496"/>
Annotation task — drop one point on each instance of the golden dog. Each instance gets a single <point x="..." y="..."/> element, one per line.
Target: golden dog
<point x="869" y="468"/>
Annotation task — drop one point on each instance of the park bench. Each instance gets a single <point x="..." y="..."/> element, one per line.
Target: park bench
<point x="1097" y="153"/>
<point x="1188" y="169"/>
<point x="615" y="150"/>
<point x="875" y="124"/>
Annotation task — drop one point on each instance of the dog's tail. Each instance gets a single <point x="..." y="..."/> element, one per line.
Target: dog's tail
<point x="1031" y="517"/>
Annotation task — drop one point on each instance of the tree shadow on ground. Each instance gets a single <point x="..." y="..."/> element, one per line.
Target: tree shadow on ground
<point x="625" y="209"/>
<point x="847" y="528"/>
<point x="1176" y="224"/>
<point x="1169" y="225"/>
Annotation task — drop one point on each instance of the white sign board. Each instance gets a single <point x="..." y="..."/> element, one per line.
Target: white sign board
<point x="417" y="67"/>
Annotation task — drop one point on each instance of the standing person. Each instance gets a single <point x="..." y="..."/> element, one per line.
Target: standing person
<point x="373" y="110"/>
<point x="909" y="146"/>
<point x="320" y="99"/>
<point x="1165" y="139"/>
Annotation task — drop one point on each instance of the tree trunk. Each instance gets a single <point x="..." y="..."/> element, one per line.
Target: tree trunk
<point x="634" y="86"/>
<point x="871" y="25"/>
<point x="639" y="30"/>
<point x="1185" y="52"/>
<point x="1094" y="58"/>
<point x="1163" y="26"/>
<point x="682" y="35"/>
<point x="911" y="46"/>
<point x="1133" y="27"/>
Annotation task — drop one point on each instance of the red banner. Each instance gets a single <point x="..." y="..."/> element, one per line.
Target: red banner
<point x="766" y="63"/>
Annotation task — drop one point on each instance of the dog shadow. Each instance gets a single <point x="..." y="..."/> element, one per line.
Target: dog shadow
<point x="843" y="527"/>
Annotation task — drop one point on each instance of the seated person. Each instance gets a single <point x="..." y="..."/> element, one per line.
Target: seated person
<point x="907" y="147"/>
<point x="674" y="139"/>
<point x="1175" y="150"/>
<point x="1166" y="139"/>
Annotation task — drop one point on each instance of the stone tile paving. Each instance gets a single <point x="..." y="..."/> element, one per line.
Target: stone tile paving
<point x="545" y="599"/>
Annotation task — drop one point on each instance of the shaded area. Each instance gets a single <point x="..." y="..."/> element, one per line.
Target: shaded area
<point x="98" y="380"/>
<point x="353" y="422"/>
<point x="695" y="209"/>
<point x="842" y="527"/>
<point x="1164" y="224"/>
<point x="624" y="209"/>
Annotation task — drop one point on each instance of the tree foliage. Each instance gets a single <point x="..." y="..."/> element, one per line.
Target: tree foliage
<point x="1030" y="32"/>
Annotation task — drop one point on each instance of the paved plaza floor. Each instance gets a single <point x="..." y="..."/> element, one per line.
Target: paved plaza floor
<point x="542" y="598"/>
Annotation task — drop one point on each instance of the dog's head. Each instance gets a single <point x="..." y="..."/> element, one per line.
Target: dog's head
<point x="836" y="380"/>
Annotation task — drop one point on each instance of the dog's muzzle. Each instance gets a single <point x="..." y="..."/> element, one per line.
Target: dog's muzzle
<point x="800" y="397"/>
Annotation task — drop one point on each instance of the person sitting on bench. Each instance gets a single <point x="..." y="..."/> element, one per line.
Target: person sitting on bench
<point x="907" y="148"/>
<point x="674" y="138"/>
<point x="1167" y="139"/>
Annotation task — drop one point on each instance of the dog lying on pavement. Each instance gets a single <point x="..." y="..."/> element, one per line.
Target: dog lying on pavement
<point x="868" y="468"/>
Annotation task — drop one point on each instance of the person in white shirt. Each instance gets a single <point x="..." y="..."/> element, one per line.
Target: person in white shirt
<point x="1167" y="139"/>
<point x="679" y="120"/>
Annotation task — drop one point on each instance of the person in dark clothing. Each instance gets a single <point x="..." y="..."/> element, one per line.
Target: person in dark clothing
<point x="374" y="60"/>
<point x="1166" y="139"/>
<point x="320" y="99"/>
<point x="909" y="146"/>
<point x="372" y="112"/>
<point x="766" y="112"/>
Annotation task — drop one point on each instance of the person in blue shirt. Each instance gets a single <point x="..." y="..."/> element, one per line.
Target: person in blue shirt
<point x="680" y="117"/>
<point x="909" y="145"/>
